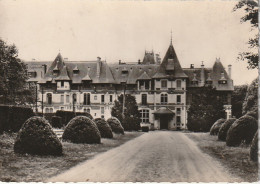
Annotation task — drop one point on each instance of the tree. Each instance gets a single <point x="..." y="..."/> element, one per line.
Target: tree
<point x="131" y="119"/>
<point x="205" y="109"/>
<point x="251" y="99"/>
<point x="13" y="76"/>
<point x="237" y="100"/>
<point x="251" y="15"/>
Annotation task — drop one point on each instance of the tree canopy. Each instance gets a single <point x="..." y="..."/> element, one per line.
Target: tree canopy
<point x="131" y="119"/>
<point x="237" y="100"/>
<point x="13" y="76"/>
<point x="250" y="8"/>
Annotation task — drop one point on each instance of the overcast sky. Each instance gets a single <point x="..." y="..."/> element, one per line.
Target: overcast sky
<point x="113" y="30"/>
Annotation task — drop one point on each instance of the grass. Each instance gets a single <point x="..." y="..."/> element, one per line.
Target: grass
<point x="235" y="159"/>
<point x="29" y="168"/>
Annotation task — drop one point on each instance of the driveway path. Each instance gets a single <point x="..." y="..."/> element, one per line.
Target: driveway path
<point x="160" y="156"/>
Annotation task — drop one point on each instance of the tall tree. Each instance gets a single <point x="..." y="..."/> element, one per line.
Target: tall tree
<point x="206" y="107"/>
<point x="251" y="14"/>
<point x="237" y="100"/>
<point x="13" y="75"/>
<point x="131" y="119"/>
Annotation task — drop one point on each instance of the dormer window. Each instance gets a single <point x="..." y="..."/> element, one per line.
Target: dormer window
<point x="222" y="80"/>
<point x="209" y="80"/>
<point x="124" y="71"/>
<point x="194" y="80"/>
<point x="76" y="70"/>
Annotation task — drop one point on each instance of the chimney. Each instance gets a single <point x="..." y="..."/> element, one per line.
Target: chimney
<point x="202" y="75"/>
<point x="44" y="68"/>
<point x="139" y="61"/>
<point x="229" y="70"/>
<point x="191" y="65"/>
<point x="99" y="58"/>
<point x="98" y="69"/>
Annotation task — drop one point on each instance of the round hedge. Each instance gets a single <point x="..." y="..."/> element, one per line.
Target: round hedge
<point x="115" y="125"/>
<point x="104" y="128"/>
<point x="216" y="126"/>
<point x="254" y="148"/>
<point x="36" y="137"/>
<point x="254" y="114"/>
<point x="81" y="129"/>
<point x="222" y="134"/>
<point x="242" y="129"/>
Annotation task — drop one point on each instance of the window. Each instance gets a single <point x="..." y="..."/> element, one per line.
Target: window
<point x="74" y="98"/>
<point x="144" y="99"/>
<point x="49" y="98"/>
<point x="88" y="111"/>
<point x="102" y="98"/>
<point x="178" y="120"/>
<point x="111" y="98"/>
<point x="47" y="110"/>
<point x="62" y="108"/>
<point x="85" y="110"/>
<point x="144" y="115"/>
<point x="178" y="111"/>
<point x="51" y="110"/>
<point x="67" y="98"/>
<point x="178" y="84"/>
<point x="102" y="116"/>
<point x="178" y="98"/>
<point x="164" y="83"/>
<point x="102" y="110"/>
<point x="62" y="98"/>
<point x="147" y="84"/>
<point x="95" y="97"/>
<point x="164" y="98"/>
<point x="86" y="99"/>
<point x="62" y="84"/>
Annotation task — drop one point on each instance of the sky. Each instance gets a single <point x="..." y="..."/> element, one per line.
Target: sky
<point x="82" y="30"/>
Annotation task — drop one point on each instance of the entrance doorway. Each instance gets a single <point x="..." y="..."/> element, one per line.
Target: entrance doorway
<point x="164" y="122"/>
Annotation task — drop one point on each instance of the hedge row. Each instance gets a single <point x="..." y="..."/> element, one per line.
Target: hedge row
<point x="13" y="117"/>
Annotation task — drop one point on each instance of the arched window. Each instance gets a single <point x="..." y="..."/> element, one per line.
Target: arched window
<point x="51" y="110"/>
<point x="144" y="99"/>
<point x="49" y="98"/>
<point x="47" y="110"/>
<point x="164" y="98"/>
<point x="86" y="99"/>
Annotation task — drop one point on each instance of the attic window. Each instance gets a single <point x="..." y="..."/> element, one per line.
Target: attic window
<point x="75" y="71"/>
<point x="124" y="72"/>
<point x="209" y="82"/>
<point x="222" y="80"/>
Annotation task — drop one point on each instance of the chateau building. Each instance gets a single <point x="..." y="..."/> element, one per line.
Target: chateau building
<point x="163" y="89"/>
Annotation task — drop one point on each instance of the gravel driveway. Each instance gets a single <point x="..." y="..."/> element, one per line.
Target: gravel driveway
<point x="160" y="156"/>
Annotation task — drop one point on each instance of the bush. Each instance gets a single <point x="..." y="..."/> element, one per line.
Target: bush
<point x="82" y="129"/>
<point x="254" y="148"/>
<point x="222" y="134"/>
<point x="48" y="116"/>
<point x="254" y="114"/>
<point x="36" y="137"/>
<point x="66" y="116"/>
<point x="13" y="117"/>
<point x="115" y="125"/>
<point x="56" y="122"/>
<point x="242" y="129"/>
<point x="145" y="129"/>
<point x="104" y="128"/>
<point x="216" y="126"/>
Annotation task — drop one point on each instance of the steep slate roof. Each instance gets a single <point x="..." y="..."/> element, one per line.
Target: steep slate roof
<point x="144" y="76"/>
<point x="134" y="71"/>
<point x="172" y="63"/>
<point x="63" y="74"/>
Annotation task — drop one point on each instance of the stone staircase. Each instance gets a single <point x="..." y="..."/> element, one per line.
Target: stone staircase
<point x="58" y="132"/>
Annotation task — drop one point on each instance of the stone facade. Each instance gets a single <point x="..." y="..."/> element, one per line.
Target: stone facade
<point x="162" y="90"/>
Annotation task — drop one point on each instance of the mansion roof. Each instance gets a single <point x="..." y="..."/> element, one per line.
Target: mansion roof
<point x="102" y="72"/>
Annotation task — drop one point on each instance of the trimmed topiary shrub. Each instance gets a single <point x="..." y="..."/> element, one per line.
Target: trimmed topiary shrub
<point x="254" y="114"/>
<point x="216" y="126"/>
<point x="254" y="148"/>
<point x="115" y="125"/>
<point x="82" y="129"/>
<point x="36" y="137"/>
<point x="56" y="122"/>
<point x="104" y="128"/>
<point x="222" y="134"/>
<point x="242" y="129"/>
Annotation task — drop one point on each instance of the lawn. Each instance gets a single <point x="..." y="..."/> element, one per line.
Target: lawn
<point x="235" y="159"/>
<point x="28" y="168"/>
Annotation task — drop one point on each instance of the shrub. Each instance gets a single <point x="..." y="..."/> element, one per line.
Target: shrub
<point x="222" y="134"/>
<point x="36" y="137"/>
<point x="254" y="114"/>
<point x="254" y="148"/>
<point x="216" y="126"/>
<point x="145" y="129"/>
<point x="13" y="117"/>
<point x="115" y="125"/>
<point x="82" y="129"/>
<point x="48" y="116"/>
<point x="242" y="129"/>
<point x="56" y="122"/>
<point x="104" y="128"/>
